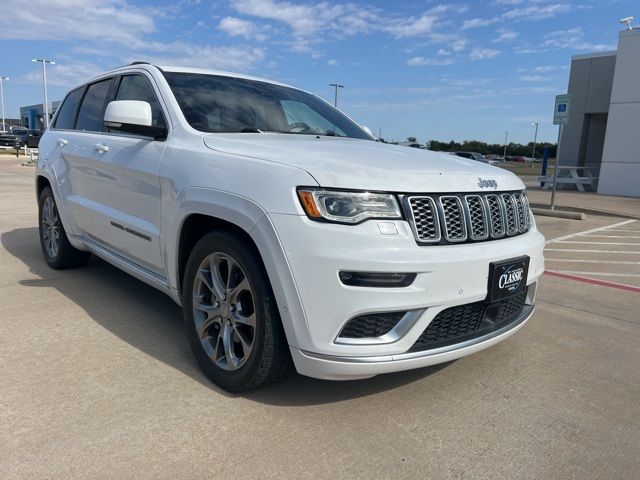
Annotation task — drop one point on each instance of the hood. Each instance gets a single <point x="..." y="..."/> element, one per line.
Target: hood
<point x="366" y="165"/>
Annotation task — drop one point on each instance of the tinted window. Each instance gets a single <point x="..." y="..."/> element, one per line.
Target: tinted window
<point x="68" y="109"/>
<point x="213" y="103"/>
<point x="90" y="114"/>
<point x="137" y="87"/>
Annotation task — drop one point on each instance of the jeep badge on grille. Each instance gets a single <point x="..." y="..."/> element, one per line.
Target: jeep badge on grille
<point x="487" y="183"/>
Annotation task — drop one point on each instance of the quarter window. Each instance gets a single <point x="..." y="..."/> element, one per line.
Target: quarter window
<point x="90" y="116"/>
<point x="67" y="112"/>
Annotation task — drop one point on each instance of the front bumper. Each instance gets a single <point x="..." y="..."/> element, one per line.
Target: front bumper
<point x="332" y="367"/>
<point x="447" y="276"/>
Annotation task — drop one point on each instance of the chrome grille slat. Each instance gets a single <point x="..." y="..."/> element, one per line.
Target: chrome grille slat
<point x="453" y="217"/>
<point x="478" y="221"/>
<point x="496" y="211"/>
<point x="424" y="214"/>
<point x="520" y="212"/>
<point x="511" y="220"/>
<point x="456" y="218"/>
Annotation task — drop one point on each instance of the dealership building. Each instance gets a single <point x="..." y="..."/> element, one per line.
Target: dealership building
<point x="32" y="116"/>
<point x="603" y="132"/>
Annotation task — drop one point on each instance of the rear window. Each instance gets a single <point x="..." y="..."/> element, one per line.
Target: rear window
<point x="92" y="108"/>
<point x="67" y="111"/>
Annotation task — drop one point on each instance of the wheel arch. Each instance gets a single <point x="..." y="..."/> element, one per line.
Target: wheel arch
<point x="41" y="183"/>
<point x="201" y="210"/>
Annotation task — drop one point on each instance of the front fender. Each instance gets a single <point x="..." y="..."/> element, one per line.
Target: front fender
<point x="253" y="219"/>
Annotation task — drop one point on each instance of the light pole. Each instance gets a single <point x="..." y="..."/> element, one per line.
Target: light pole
<point x="44" y="62"/>
<point x="504" y="157"/>
<point x="2" y="100"/>
<point x="535" y="139"/>
<point x="337" y="86"/>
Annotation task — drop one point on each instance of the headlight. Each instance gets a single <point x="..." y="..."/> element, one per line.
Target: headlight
<point x="348" y="207"/>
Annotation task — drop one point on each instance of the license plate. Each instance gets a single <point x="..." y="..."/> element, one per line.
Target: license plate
<point x="507" y="278"/>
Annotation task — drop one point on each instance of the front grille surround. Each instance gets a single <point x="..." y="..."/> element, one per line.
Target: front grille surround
<point x="441" y="219"/>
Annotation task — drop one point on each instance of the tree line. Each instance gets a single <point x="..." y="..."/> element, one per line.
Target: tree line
<point x="513" y="149"/>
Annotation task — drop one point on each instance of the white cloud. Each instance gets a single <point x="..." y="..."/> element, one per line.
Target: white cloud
<point x="483" y="53"/>
<point x="237" y="27"/>
<point x="64" y="74"/>
<point x="113" y="21"/>
<point x="309" y="21"/>
<point x="303" y="19"/>
<point x="117" y="32"/>
<point x="333" y="62"/>
<point x="421" y="61"/>
<point x="412" y="26"/>
<point x="236" y="58"/>
<point x="533" y="78"/>
<point x="572" y="38"/>
<point x="505" y="35"/>
<point x="477" y="22"/>
<point x="536" y="12"/>
<point x="545" y="68"/>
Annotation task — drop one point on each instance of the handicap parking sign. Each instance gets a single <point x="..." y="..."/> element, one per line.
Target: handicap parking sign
<point x="561" y="112"/>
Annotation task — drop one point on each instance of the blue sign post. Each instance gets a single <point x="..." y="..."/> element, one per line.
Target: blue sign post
<point x="561" y="118"/>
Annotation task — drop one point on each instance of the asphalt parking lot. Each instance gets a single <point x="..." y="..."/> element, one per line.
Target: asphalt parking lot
<point x="97" y="381"/>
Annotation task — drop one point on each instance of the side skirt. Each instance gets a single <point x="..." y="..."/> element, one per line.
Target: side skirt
<point x="133" y="269"/>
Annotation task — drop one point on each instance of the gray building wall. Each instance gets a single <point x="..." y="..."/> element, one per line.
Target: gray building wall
<point x="620" y="171"/>
<point x="590" y="86"/>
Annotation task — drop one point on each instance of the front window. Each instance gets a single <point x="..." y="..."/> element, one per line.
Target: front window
<point x="213" y="103"/>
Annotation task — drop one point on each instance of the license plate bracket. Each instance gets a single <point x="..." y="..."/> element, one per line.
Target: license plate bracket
<point x="507" y="278"/>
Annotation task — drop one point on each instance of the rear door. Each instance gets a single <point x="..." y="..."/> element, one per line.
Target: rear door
<point x="118" y="174"/>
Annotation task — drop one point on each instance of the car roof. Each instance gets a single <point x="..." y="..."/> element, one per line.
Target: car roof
<point x="181" y="69"/>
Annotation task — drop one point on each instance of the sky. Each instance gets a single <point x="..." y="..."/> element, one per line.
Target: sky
<point x="428" y="69"/>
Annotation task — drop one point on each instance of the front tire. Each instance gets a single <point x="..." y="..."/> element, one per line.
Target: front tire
<point x="57" y="250"/>
<point x="230" y="314"/>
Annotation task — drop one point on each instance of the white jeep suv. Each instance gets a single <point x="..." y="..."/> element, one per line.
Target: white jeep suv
<point x="287" y="233"/>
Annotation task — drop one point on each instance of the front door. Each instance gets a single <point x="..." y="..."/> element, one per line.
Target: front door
<point x="115" y="177"/>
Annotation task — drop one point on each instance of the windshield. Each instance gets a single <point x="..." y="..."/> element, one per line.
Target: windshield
<point x="213" y="103"/>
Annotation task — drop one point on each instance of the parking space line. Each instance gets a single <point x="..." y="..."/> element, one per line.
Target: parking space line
<point x="612" y="236"/>
<point x="601" y="274"/>
<point x="576" y="260"/>
<point x="637" y="230"/>
<point x="599" y="243"/>
<point x="593" y="230"/>
<point x="593" y="281"/>
<point x="575" y="250"/>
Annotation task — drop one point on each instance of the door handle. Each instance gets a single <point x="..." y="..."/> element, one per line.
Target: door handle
<point x="101" y="147"/>
<point x="62" y="142"/>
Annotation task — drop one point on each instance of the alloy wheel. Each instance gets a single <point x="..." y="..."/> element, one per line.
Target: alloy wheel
<point x="223" y="311"/>
<point x="50" y="227"/>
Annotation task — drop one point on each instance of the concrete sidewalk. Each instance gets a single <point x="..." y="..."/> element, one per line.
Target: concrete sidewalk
<point x="589" y="202"/>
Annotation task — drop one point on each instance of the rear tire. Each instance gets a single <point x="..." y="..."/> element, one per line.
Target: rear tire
<point x="231" y="316"/>
<point x="57" y="250"/>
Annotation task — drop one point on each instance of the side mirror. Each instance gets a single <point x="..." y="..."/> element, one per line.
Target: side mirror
<point x="132" y="116"/>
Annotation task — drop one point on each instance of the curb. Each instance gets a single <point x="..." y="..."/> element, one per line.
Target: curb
<point x="558" y="213"/>
<point x="590" y="211"/>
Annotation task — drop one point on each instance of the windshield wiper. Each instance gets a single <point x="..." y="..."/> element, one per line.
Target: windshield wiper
<point x="331" y="133"/>
<point x="251" y="130"/>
